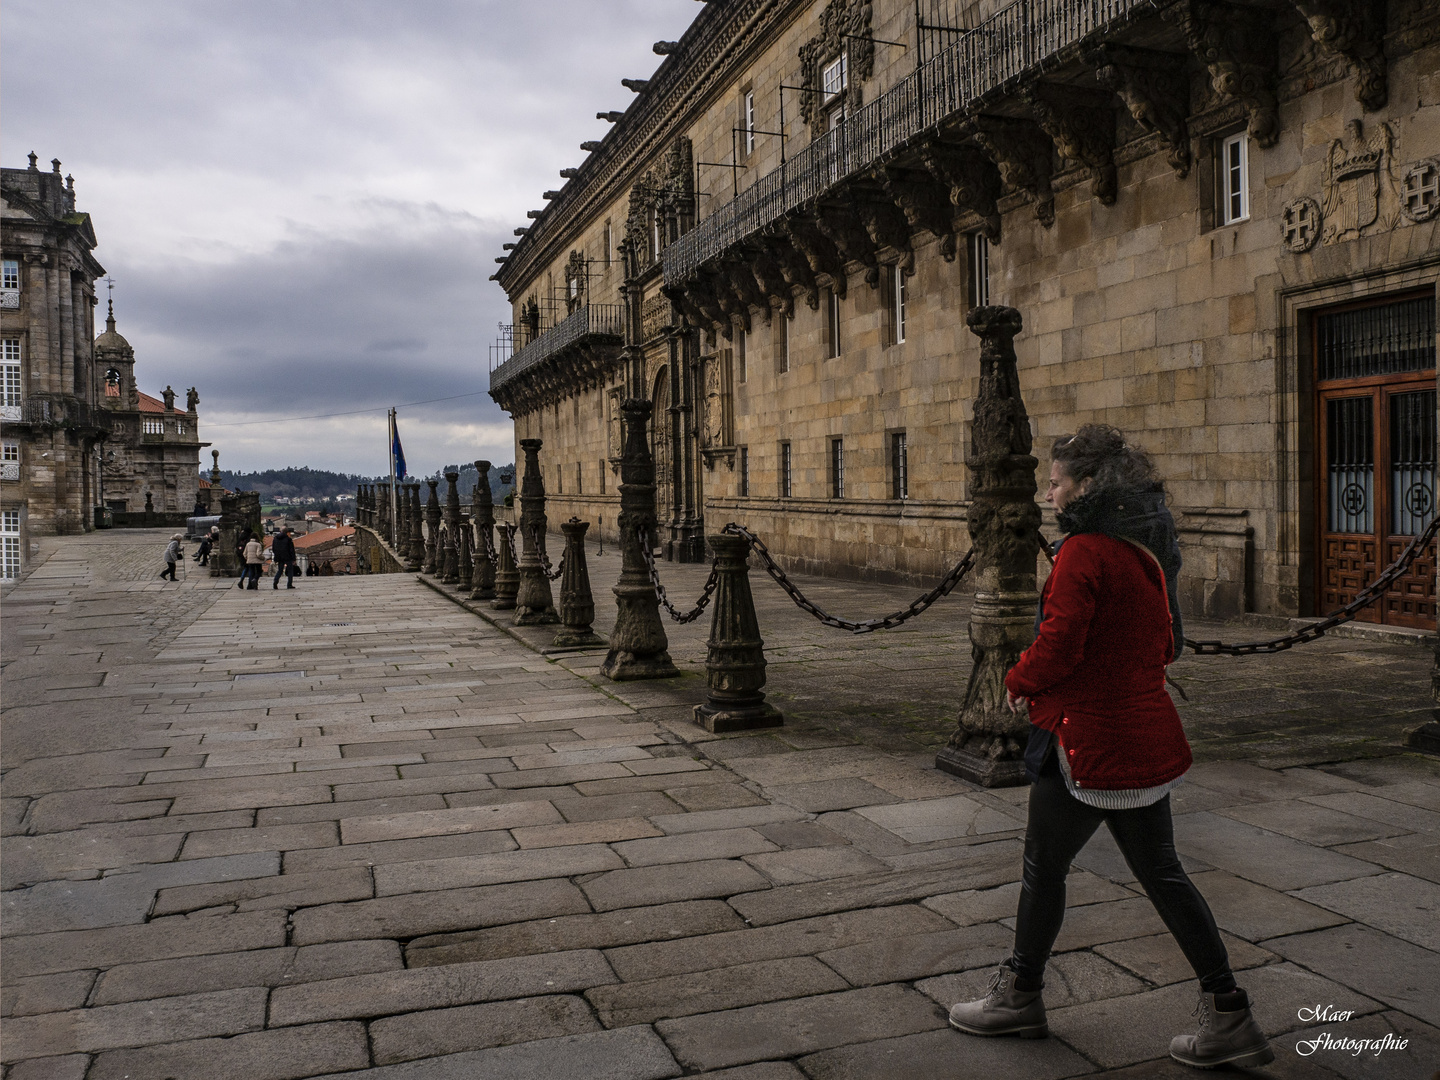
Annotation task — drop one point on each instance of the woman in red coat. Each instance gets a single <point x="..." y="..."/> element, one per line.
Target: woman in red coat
<point x="1106" y="743"/>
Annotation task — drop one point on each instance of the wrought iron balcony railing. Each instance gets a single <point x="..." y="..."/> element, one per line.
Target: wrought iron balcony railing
<point x="57" y="412"/>
<point x="1011" y="43"/>
<point x="602" y="320"/>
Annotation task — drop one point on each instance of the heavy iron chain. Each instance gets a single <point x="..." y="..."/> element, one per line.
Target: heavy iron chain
<point x="1363" y="599"/>
<point x="705" y="594"/>
<point x="946" y="586"/>
<point x="537" y="538"/>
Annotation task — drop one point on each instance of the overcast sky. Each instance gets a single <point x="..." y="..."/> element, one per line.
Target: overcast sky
<point x="301" y="203"/>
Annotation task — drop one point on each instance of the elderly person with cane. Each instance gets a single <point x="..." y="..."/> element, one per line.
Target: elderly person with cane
<point x="173" y="554"/>
<point x="1106" y="743"/>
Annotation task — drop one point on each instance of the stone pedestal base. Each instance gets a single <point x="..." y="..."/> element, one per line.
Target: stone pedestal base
<point x="565" y="638"/>
<point x="720" y="721"/>
<point x="984" y="771"/>
<point x="622" y="666"/>
<point x="1426" y="737"/>
<point x="528" y="616"/>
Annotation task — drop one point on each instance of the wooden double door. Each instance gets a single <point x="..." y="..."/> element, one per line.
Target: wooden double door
<point x="1376" y="422"/>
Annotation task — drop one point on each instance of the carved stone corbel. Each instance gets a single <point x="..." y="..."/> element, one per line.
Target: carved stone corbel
<point x="768" y="275"/>
<point x="794" y="267"/>
<point x="679" y="295"/>
<point x="1236" y="43"/>
<point x="742" y="279"/>
<point x="1154" y="87"/>
<point x="1354" y="29"/>
<point x="733" y="308"/>
<point x="884" y="221"/>
<point x="819" y="251"/>
<point x="841" y="222"/>
<point x="972" y="179"/>
<point x="1024" y="155"/>
<point x="925" y="201"/>
<point x="1082" y="125"/>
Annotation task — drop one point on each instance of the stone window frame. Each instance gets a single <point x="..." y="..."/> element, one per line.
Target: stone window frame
<point x="837" y="467"/>
<point x="833" y="344"/>
<point x="782" y="343"/>
<point x="747" y="120"/>
<point x="1290" y="523"/>
<point x="898" y="442"/>
<point x="786" y="472"/>
<point x="743" y="472"/>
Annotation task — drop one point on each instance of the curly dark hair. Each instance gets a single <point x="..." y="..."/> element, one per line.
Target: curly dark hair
<point x="1099" y="453"/>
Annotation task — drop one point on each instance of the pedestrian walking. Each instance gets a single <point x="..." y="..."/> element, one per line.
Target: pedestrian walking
<point x="173" y="554"/>
<point x="1106" y="744"/>
<point x="254" y="554"/>
<point x="283" y="550"/>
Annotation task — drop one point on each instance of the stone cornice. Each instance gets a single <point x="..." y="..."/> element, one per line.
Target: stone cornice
<point x="720" y="40"/>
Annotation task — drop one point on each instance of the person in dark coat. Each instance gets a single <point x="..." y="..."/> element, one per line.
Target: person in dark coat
<point x="283" y="549"/>
<point x="1106" y="742"/>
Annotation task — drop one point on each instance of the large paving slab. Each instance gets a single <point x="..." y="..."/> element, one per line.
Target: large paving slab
<point x="356" y="829"/>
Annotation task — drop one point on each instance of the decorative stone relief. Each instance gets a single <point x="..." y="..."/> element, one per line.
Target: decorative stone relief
<point x="1154" y="87"/>
<point x="1360" y="187"/>
<point x="575" y="275"/>
<point x="666" y="191"/>
<point x="1300" y="224"/>
<point x="1420" y="190"/>
<point x="839" y="18"/>
<point x="714" y="429"/>
<point x="1237" y="46"/>
<point x="1082" y="125"/>
<point x="1355" y="30"/>
<point x="1022" y="152"/>
<point x="654" y="317"/>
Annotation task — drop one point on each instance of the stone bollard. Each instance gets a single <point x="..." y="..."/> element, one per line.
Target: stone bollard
<point x="450" y="572"/>
<point x="507" y="578"/>
<point x="735" y="663"/>
<point x="382" y="512"/>
<point x="415" y="557"/>
<point x="534" y="603"/>
<point x="433" y="552"/>
<point x="577" y="603"/>
<point x="988" y="745"/>
<point x="402" y="519"/>
<point x="638" y="646"/>
<point x="482" y="509"/>
<point x="464" y="557"/>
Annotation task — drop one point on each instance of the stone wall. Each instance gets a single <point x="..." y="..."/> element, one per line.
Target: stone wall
<point x="378" y="557"/>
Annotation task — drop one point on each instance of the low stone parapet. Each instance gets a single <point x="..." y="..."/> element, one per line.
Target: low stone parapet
<point x="376" y="556"/>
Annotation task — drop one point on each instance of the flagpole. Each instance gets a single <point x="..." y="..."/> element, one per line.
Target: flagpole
<point x="394" y="520"/>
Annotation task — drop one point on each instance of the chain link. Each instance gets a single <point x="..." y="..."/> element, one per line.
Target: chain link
<point x="1316" y="630"/>
<point x="537" y="538"/>
<point x="679" y="616"/>
<point x="894" y="619"/>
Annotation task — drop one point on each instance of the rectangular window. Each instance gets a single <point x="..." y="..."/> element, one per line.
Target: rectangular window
<point x="785" y="461"/>
<point x="782" y="345"/>
<point x="744" y="472"/>
<point x="602" y="478"/>
<point x="899" y="466"/>
<point x="740" y="346"/>
<point x="837" y="468"/>
<point x="10" y="452"/>
<point x="977" y="251"/>
<point x="10" y="545"/>
<point x="1235" y="179"/>
<point x="832" y="324"/>
<point x="749" y="121"/>
<point x="609" y="244"/>
<point x="835" y="76"/>
<point x="900" y="299"/>
<point x="10" y="274"/>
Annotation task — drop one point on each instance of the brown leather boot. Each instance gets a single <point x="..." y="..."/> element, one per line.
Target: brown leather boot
<point x="1226" y="1037"/>
<point x="1003" y="1010"/>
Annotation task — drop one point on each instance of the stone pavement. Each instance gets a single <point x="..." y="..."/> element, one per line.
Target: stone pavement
<point x="359" y="831"/>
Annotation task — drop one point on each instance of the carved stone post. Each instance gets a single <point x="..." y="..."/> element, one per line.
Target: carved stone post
<point x="432" y="529"/>
<point x="402" y="519"/>
<point x="387" y="522"/>
<point x="1004" y="522"/>
<point x="638" y="646"/>
<point x="482" y="513"/>
<point x="463" y="554"/>
<point x="534" y="604"/>
<point x="450" y="571"/>
<point x="212" y="497"/>
<point x="415" y="557"/>
<point x="577" y="603"/>
<point x="735" y="663"/>
<point x="507" y="578"/>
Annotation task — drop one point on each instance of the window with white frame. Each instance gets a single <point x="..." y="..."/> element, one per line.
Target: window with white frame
<point x="832" y="325"/>
<point x="1234" y="179"/>
<point x="749" y="121"/>
<point x="9" y="283"/>
<point x="977" y="250"/>
<point x="9" y="544"/>
<point x="10" y="451"/>
<point x="744" y="472"/>
<point x="900" y="299"/>
<point x="10" y="461"/>
<point x="10" y="375"/>
<point x="835" y="77"/>
<point x="785" y="463"/>
<point x="899" y="466"/>
<point x="837" y="468"/>
<point x="609" y="244"/>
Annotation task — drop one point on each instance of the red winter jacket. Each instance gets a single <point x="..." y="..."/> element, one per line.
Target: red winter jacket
<point x="1095" y="674"/>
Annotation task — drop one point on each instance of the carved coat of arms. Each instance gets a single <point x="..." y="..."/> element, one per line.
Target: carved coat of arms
<point x="1360" y="188"/>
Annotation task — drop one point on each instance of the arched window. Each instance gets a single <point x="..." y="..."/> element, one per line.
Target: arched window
<point x="112" y="383"/>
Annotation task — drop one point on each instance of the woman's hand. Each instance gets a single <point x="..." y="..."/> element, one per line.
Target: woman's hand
<point x="1013" y="703"/>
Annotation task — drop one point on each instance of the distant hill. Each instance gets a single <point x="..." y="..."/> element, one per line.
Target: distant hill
<point x="291" y="483"/>
<point x="466" y="484"/>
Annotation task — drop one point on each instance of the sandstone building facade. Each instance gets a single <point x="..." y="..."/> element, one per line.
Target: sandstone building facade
<point x="1220" y="222"/>
<point x="76" y="431"/>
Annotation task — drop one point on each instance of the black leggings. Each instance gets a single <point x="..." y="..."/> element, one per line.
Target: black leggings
<point x="1059" y="827"/>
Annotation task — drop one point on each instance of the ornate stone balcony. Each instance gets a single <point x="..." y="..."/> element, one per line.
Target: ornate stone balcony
<point x="577" y="350"/>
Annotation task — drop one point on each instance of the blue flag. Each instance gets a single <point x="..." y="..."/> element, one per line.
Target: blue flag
<point x="397" y="453"/>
